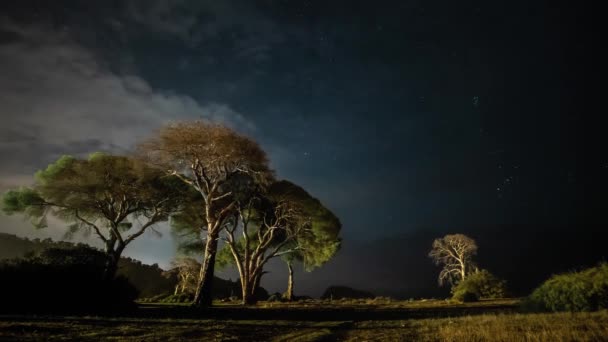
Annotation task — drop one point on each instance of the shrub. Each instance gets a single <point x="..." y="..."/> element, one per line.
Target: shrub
<point x="586" y="290"/>
<point x="275" y="297"/>
<point x="479" y="285"/>
<point x="340" y="292"/>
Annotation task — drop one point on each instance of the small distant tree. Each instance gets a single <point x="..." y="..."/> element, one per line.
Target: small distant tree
<point x="206" y="157"/>
<point x="454" y="252"/>
<point x="114" y="197"/>
<point x="186" y="270"/>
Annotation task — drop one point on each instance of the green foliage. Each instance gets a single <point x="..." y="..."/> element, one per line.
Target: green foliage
<point x="103" y="193"/>
<point x="586" y="290"/>
<point x="479" y="285"/>
<point x="55" y="170"/>
<point x="319" y="243"/>
<point x="188" y="224"/>
<point x="25" y="201"/>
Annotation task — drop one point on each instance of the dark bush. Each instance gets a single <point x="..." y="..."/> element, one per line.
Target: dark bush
<point x="586" y="290"/>
<point x="276" y="297"/>
<point x="479" y="285"/>
<point x="339" y="292"/>
<point x="62" y="280"/>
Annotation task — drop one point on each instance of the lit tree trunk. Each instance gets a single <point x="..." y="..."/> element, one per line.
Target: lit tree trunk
<point x="255" y="284"/>
<point x="247" y="292"/>
<point x="464" y="270"/>
<point x="289" y="293"/>
<point x="203" y="294"/>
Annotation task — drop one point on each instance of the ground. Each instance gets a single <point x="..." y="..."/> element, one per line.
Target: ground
<point x="367" y="320"/>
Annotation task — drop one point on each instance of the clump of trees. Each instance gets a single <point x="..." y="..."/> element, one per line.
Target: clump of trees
<point x="236" y="199"/>
<point x="586" y="290"/>
<point x="207" y="157"/>
<point x="283" y="221"/>
<point x="209" y="181"/>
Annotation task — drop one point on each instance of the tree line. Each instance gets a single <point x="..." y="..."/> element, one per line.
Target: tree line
<point x="209" y="182"/>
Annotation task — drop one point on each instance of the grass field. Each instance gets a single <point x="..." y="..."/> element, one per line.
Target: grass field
<point x="318" y="321"/>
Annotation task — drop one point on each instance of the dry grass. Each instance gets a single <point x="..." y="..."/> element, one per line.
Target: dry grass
<point x="552" y="327"/>
<point x="386" y="303"/>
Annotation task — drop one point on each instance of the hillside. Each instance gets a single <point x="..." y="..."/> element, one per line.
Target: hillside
<point x="148" y="279"/>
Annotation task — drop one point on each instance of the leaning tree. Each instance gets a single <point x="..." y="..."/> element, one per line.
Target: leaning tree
<point x="282" y="221"/>
<point x="206" y="157"/>
<point x="455" y="253"/>
<point x="321" y="241"/>
<point x="114" y="197"/>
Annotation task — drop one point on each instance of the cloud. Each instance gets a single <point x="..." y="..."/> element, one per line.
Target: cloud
<point x="57" y="97"/>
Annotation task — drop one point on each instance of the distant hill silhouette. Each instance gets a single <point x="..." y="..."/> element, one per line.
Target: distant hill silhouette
<point x="147" y="279"/>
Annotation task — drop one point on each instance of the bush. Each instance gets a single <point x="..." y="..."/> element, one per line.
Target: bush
<point x="276" y="297"/>
<point x="586" y="290"/>
<point x="479" y="285"/>
<point x="344" y="292"/>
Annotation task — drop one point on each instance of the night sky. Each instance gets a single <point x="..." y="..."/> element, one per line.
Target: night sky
<point x="404" y="117"/>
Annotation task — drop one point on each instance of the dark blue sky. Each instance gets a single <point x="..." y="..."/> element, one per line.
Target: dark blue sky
<point x="399" y="116"/>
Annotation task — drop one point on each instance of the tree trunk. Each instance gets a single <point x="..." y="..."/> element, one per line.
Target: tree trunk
<point x="113" y="254"/>
<point x="289" y="293"/>
<point x="203" y="293"/>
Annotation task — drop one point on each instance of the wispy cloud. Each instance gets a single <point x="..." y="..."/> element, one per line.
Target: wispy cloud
<point x="57" y="97"/>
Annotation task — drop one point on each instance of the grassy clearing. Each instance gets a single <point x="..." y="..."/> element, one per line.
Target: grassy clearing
<point x="387" y="303"/>
<point x="306" y="326"/>
<point x="101" y="329"/>
<point x="553" y="327"/>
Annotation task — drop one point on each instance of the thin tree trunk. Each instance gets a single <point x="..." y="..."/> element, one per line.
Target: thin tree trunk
<point x="203" y="293"/>
<point x="246" y="292"/>
<point x="113" y="254"/>
<point x="254" y="285"/>
<point x="289" y="293"/>
<point x="463" y="270"/>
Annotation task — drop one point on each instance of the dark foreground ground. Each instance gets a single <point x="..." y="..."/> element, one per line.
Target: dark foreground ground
<point x="316" y="321"/>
